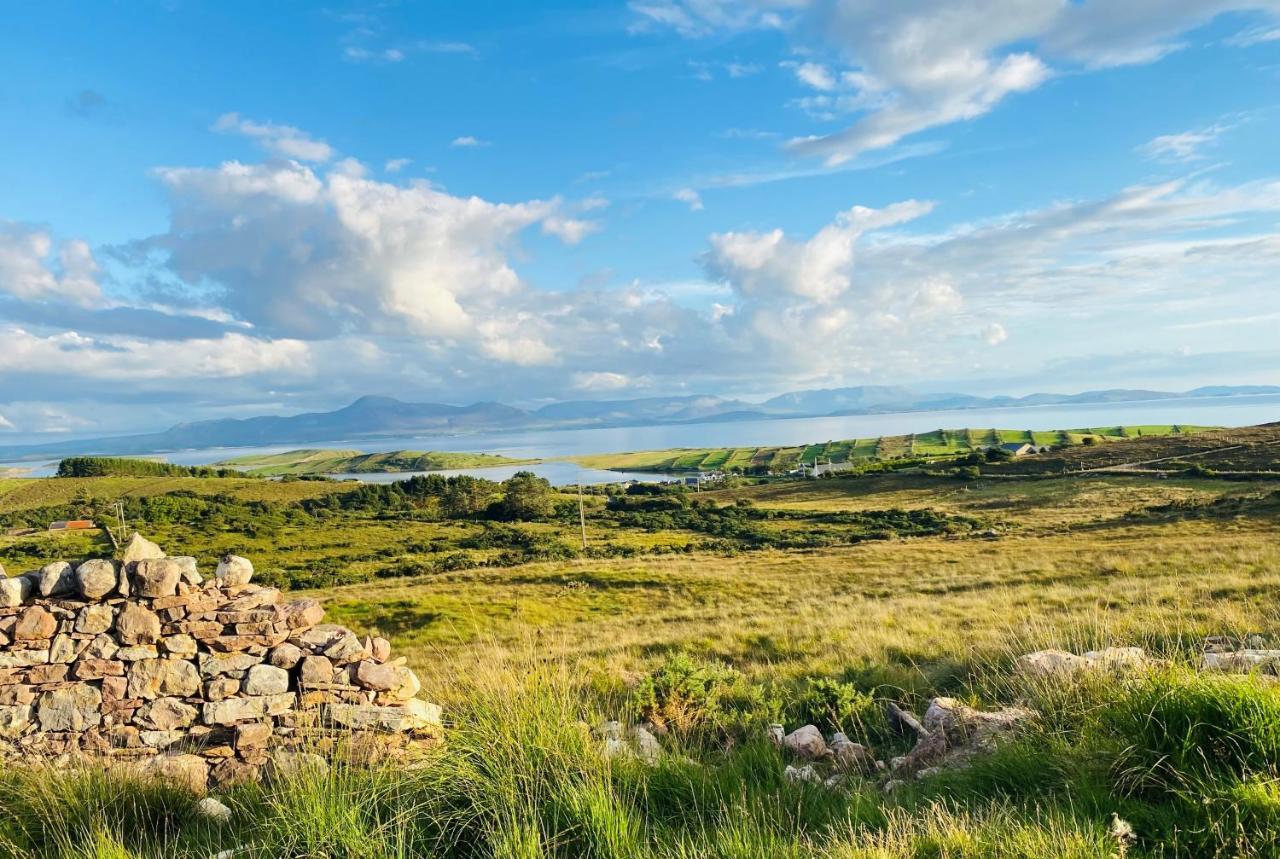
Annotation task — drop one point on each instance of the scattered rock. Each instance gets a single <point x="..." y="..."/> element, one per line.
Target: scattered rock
<point x="903" y="720"/>
<point x="214" y="810"/>
<point x="806" y="742"/>
<point x="806" y="774"/>
<point x="775" y="733"/>
<point x="1051" y="663"/>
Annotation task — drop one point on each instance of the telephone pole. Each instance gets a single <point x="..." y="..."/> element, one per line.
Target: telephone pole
<point x="582" y="518"/>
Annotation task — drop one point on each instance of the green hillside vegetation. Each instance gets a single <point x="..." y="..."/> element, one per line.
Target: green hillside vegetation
<point x="713" y="614"/>
<point x="111" y="466"/>
<point x="939" y="444"/>
<point x="320" y="461"/>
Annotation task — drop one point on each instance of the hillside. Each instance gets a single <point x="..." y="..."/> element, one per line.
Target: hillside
<point x="711" y="616"/>
<point x="323" y="461"/>
<point x="936" y="444"/>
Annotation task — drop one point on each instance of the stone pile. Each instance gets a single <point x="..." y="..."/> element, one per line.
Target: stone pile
<point x="144" y="662"/>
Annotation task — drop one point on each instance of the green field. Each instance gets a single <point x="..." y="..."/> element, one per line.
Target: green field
<point x="321" y="461"/>
<point x="716" y="613"/>
<point x="936" y="444"/>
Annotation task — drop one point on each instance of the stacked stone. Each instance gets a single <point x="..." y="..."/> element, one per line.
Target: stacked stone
<point x="143" y="661"/>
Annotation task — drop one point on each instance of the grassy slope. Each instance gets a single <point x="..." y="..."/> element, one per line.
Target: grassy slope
<point x="321" y="461"/>
<point x="937" y="443"/>
<point x="520" y="656"/>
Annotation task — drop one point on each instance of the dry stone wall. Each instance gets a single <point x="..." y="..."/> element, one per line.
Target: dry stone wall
<point x="143" y="661"/>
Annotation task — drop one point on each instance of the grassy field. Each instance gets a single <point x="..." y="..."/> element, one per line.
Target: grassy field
<point x="937" y="444"/>
<point x="323" y="461"/>
<point x="715" y="636"/>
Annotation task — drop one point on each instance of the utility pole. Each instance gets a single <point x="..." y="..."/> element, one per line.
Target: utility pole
<point x="582" y="518"/>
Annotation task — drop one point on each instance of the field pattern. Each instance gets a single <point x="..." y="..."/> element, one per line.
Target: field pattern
<point x="940" y="443"/>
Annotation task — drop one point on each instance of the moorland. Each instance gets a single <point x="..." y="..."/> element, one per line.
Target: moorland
<point x="712" y="614"/>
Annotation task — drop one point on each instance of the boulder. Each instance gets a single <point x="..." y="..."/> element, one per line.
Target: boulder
<point x="137" y="625"/>
<point x="139" y="548"/>
<point x="156" y="577"/>
<point x="1051" y="663"/>
<point x="648" y="749"/>
<point x="234" y="571"/>
<point x="806" y="742"/>
<point x="849" y="755"/>
<point x="96" y="578"/>
<point x="57" y="579"/>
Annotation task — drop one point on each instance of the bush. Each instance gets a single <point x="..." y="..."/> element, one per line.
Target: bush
<point x="836" y="706"/>
<point x="686" y="694"/>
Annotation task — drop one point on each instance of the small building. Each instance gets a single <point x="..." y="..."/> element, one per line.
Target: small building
<point x="1019" y="448"/>
<point x="72" y="525"/>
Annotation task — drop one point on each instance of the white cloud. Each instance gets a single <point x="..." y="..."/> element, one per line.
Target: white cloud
<point x="571" y="231"/>
<point x="915" y="66"/>
<point x="283" y="140"/>
<point x="600" y="381"/>
<point x="1186" y="146"/>
<point x="141" y="361"/>
<point x="689" y="197"/>
<point x="815" y="75"/>
<point x="395" y="165"/>
<point x="994" y="334"/>
<point x="467" y="141"/>
<point x="31" y="270"/>
<point x="819" y="269"/>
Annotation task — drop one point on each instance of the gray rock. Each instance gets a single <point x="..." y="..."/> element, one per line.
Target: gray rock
<point x="648" y="749"/>
<point x="806" y="742"/>
<point x="802" y="775"/>
<point x="226" y="664"/>
<point x="57" y="579"/>
<point x="315" y="670"/>
<point x="96" y="578"/>
<point x="775" y="733"/>
<point x="188" y="771"/>
<point x="283" y="765"/>
<point x="214" y="810"/>
<point x="72" y="708"/>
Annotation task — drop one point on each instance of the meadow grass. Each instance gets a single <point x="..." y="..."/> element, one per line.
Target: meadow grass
<point x="527" y="658"/>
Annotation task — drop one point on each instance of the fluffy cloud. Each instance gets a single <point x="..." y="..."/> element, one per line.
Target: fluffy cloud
<point x="283" y="140"/>
<point x="819" y="269"/>
<point x="300" y="254"/>
<point x="468" y="142"/>
<point x="919" y="65"/>
<point x="30" y="269"/>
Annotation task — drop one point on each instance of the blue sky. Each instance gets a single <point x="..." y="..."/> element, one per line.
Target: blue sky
<point x="218" y="209"/>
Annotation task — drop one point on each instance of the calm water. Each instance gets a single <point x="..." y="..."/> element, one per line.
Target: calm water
<point x="545" y="444"/>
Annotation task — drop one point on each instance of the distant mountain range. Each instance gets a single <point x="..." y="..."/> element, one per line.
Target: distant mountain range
<point x="372" y="417"/>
